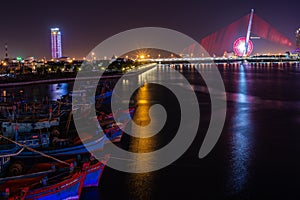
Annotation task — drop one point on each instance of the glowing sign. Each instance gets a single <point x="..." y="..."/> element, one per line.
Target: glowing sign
<point x="239" y="47"/>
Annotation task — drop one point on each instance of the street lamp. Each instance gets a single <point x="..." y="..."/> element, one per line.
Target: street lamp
<point x="93" y="54"/>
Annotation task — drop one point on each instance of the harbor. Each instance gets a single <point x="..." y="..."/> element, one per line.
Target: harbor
<point x="235" y="149"/>
<point x="41" y="146"/>
<point x="122" y="100"/>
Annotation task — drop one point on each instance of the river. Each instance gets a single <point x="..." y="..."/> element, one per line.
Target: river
<point x="255" y="157"/>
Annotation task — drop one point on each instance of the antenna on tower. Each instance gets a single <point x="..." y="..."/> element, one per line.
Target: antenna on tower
<point x="6" y="51"/>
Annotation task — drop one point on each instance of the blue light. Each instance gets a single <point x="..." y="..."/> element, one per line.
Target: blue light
<point x="241" y="140"/>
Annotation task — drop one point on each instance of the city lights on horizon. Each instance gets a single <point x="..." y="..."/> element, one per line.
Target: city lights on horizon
<point x="56" y="50"/>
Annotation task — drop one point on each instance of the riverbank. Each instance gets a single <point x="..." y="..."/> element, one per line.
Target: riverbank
<point x="53" y="78"/>
<point x="31" y="79"/>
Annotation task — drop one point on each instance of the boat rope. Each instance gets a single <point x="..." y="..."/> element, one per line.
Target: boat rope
<point x="13" y="154"/>
<point x="118" y="158"/>
<point x="33" y="150"/>
<point x="26" y="175"/>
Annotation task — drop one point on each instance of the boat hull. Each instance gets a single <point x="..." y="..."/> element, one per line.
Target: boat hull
<point x="93" y="145"/>
<point x="67" y="189"/>
<point x="93" y="174"/>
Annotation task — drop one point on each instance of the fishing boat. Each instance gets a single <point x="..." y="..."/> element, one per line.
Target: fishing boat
<point x="94" y="172"/>
<point x="29" y="117"/>
<point x="113" y="130"/>
<point x="7" y="151"/>
<point x="18" y="154"/>
<point x="37" y="144"/>
<point x="55" y="181"/>
<point x="9" y="128"/>
<point x="70" y="188"/>
<point x="60" y="183"/>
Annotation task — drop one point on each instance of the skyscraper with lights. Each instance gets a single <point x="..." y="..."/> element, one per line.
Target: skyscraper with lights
<point x="56" y="48"/>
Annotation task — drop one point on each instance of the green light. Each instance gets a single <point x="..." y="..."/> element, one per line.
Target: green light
<point x="19" y="58"/>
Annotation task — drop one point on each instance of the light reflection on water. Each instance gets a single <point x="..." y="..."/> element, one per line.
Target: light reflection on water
<point x="141" y="185"/>
<point x="39" y="91"/>
<point x="241" y="139"/>
<point x="247" y="93"/>
<point x="56" y="91"/>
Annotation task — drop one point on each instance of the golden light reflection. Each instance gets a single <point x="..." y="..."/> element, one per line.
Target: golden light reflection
<point x="141" y="185"/>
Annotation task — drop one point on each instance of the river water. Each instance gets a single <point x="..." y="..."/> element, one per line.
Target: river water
<point x="257" y="155"/>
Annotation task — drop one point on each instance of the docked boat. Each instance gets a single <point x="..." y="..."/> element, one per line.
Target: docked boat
<point x="58" y="182"/>
<point x="94" y="172"/>
<point x="8" y="128"/>
<point x="7" y="151"/>
<point x="69" y="188"/>
<point x="45" y="143"/>
<point x="29" y="117"/>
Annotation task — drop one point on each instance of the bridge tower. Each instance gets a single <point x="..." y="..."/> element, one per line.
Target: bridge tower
<point x="248" y="33"/>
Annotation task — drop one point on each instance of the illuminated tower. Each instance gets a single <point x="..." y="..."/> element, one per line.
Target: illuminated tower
<point x="56" y="50"/>
<point x="298" y="38"/>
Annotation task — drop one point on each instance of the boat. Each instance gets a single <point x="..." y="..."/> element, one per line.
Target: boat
<point x="113" y="130"/>
<point x="37" y="145"/>
<point x="44" y="143"/>
<point x="29" y="117"/>
<point x="93" y="144"/>
<point x="7" y="151"/>
<point x="70" y="188"/>
<point x="55" y="181"/>
<point x="19" y="154"/>
<point x="8" y="128"/>
<point x="94" y="172"/>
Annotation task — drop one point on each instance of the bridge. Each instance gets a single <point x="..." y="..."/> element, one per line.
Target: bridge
<point x="254" y="59"/>
<point x="242" y="50"/>
<point x="223" y="39"/>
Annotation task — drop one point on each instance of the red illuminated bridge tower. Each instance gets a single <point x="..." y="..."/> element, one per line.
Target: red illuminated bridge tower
<point x="243" y="46"/>
<point x="221" y="40"/>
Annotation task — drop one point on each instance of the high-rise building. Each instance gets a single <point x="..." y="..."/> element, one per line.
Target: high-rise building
<point x="298" y="38"/>
<point x="56" y="48"/>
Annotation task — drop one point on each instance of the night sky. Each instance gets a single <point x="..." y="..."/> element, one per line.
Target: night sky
<point x="25" y="24"/>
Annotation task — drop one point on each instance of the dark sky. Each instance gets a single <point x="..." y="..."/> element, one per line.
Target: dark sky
<point x="25" y="24"/>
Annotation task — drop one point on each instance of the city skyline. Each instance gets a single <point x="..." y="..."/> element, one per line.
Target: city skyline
<point x="84" y="31"/>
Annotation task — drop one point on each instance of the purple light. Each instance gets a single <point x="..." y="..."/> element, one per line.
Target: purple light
<point x="239" y="47"/>
<point x="56" y="49"/>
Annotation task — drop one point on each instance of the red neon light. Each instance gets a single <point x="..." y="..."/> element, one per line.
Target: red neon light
<point x="222" y="40"/>
<point x="239" y="47"/>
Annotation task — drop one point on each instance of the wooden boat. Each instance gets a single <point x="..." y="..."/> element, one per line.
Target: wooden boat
<point x="7" y="151"/>
<point x="70" y="188"/>
<point x="93" y="144"/>
<point x="25" y="120"/>
<point x="57" y="183"/>
<point x="94" y="172"/>
<point x="21" y="155"/>
<point x="50" y="184"/>
<point x="88" y="142"/>
<point x="114" y="131"/>
<point x="8" y="128"/>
